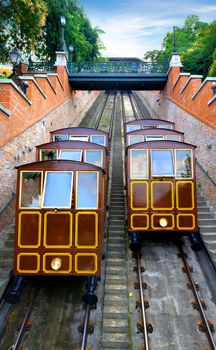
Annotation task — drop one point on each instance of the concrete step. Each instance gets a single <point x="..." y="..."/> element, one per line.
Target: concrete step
<point x="115" y="262"/>
<point x="117" y="246"/>
<point x="116" y="289"/>
<point x="6" y="263"/>
<point x="211" y="244"/>
<point x="116" y="254"/>
<point x="207" y="222"/>
<point x="213" y="254"/>
<point x="115" y="279"/>
<point x="4" y="274"/>
<point x="207" y="229"/>
<point x="113" y="300"/>
<point x="115" y="341"/>
<point x="116" y="270"/>
<point x="208" y="236"/>
<point x="116" y="216"/>
<point x="205" y="215"/>
<point x="116" y="312"/>
<point x="115" y="326"/>
<point x="116" y="239"/>
<point x="6" y="253"/>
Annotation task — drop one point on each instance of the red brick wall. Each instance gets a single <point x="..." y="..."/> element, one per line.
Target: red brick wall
<point x="51" y="104"/>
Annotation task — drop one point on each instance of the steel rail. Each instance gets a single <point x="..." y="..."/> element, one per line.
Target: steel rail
<point x="97" y="123"/>
<point x="85" y="328"/>
<point x="16" y="345"/>
<point x="112" y="115"/>
<point x="201" y="310"/>
<point x="145" y="331"/>
<point x="133" y="106"/>
<point x="123" y="108"/>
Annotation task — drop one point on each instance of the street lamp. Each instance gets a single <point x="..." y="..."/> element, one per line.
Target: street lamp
<point x="63" y="21"/>
<point x="174" y="39"/>
<point x="15" y="58"/>
<point x="70" y="52"/>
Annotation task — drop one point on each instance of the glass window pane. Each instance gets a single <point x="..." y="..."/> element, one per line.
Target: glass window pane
<point x="93" y="157"/>
<point x="133" y="127"/>
<point x="138" y="164"/>
<point x="48" y="154"/>
<point x="154" y="138"/>
<point x="99" y="139"/>
<point x="135" y="139"/>
<point x="60" y="137"/>
<point x="183" y="163"/>
<point x="149" y="126"/>
<point x="58" y="189"/>
<point x="70" y="154"/>
<point x="87" y="190"/>
<point x="162" y="163"/>
<point x="30" y="189"/>
<point x="173" y="137"/>
<point x="166" y="126"/>
<point x="79" y="138"/>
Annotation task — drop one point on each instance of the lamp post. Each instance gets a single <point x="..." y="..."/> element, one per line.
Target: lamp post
<point x="174" y="39"/>
<point x="15" y="58"/>
<point x="63" y="21"/>
<point x="70" y="48"/>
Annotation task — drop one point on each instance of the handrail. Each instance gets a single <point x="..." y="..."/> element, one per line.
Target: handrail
<point x="206" y="173"/>
<point x="130" y="67"/>
<point x="41" y="67"/>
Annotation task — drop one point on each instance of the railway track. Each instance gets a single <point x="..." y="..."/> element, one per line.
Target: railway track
<point x="56" y="312"/>
<point x="44" y="308"/>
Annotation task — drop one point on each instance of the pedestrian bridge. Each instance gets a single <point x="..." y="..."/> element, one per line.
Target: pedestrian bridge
<point x="115" y="75"/>
<point x="118" y="75"/>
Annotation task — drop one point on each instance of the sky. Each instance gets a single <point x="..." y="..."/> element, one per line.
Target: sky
<point x="133" y="27"/>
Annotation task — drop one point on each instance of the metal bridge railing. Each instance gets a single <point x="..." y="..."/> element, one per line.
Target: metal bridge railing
<point x="118" y="67"/>
<point x="41" y="67"/>
<point x="104" y="67"/>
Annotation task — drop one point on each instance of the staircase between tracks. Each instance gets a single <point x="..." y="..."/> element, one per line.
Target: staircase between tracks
<point x="207" y="225"/>
<point x="115" y="313"/>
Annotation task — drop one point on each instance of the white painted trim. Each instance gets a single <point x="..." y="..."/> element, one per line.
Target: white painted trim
<point x="9" y="81"/>
<point x="179" y="76"/>
<point x="213" y="79"/>
<point x="191" y="77"/>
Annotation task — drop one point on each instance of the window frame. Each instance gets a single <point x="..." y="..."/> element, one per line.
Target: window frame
<point x="20" y="188"/>
<point x="97" y="190"/>
<point x="77" y="136"/>
<point x="70" y="150"/>
<point x="60" y="135"/>
<point x="138" y="127"/>
<point x="45" y="149"/>
<point x="162" y="139"/>
<point x="129" y="139"/>
<point x="173" y="162"/>
<point x="147" y="164"/>
<point x="71" y="189"/>
<point x="93" y="150"/>
<point x="104" y="143"/>
<point x="192" y="163"/>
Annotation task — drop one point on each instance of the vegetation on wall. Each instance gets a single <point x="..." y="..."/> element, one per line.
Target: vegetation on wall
<point x="33" y="26"/>
<point x="196" y="42"/>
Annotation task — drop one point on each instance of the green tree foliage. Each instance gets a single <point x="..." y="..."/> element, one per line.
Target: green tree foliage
<point x="78" y="30"/>
<point x="21" y="25"/>
<point x="196" y="42"/>
<point x="34" y="27"/>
